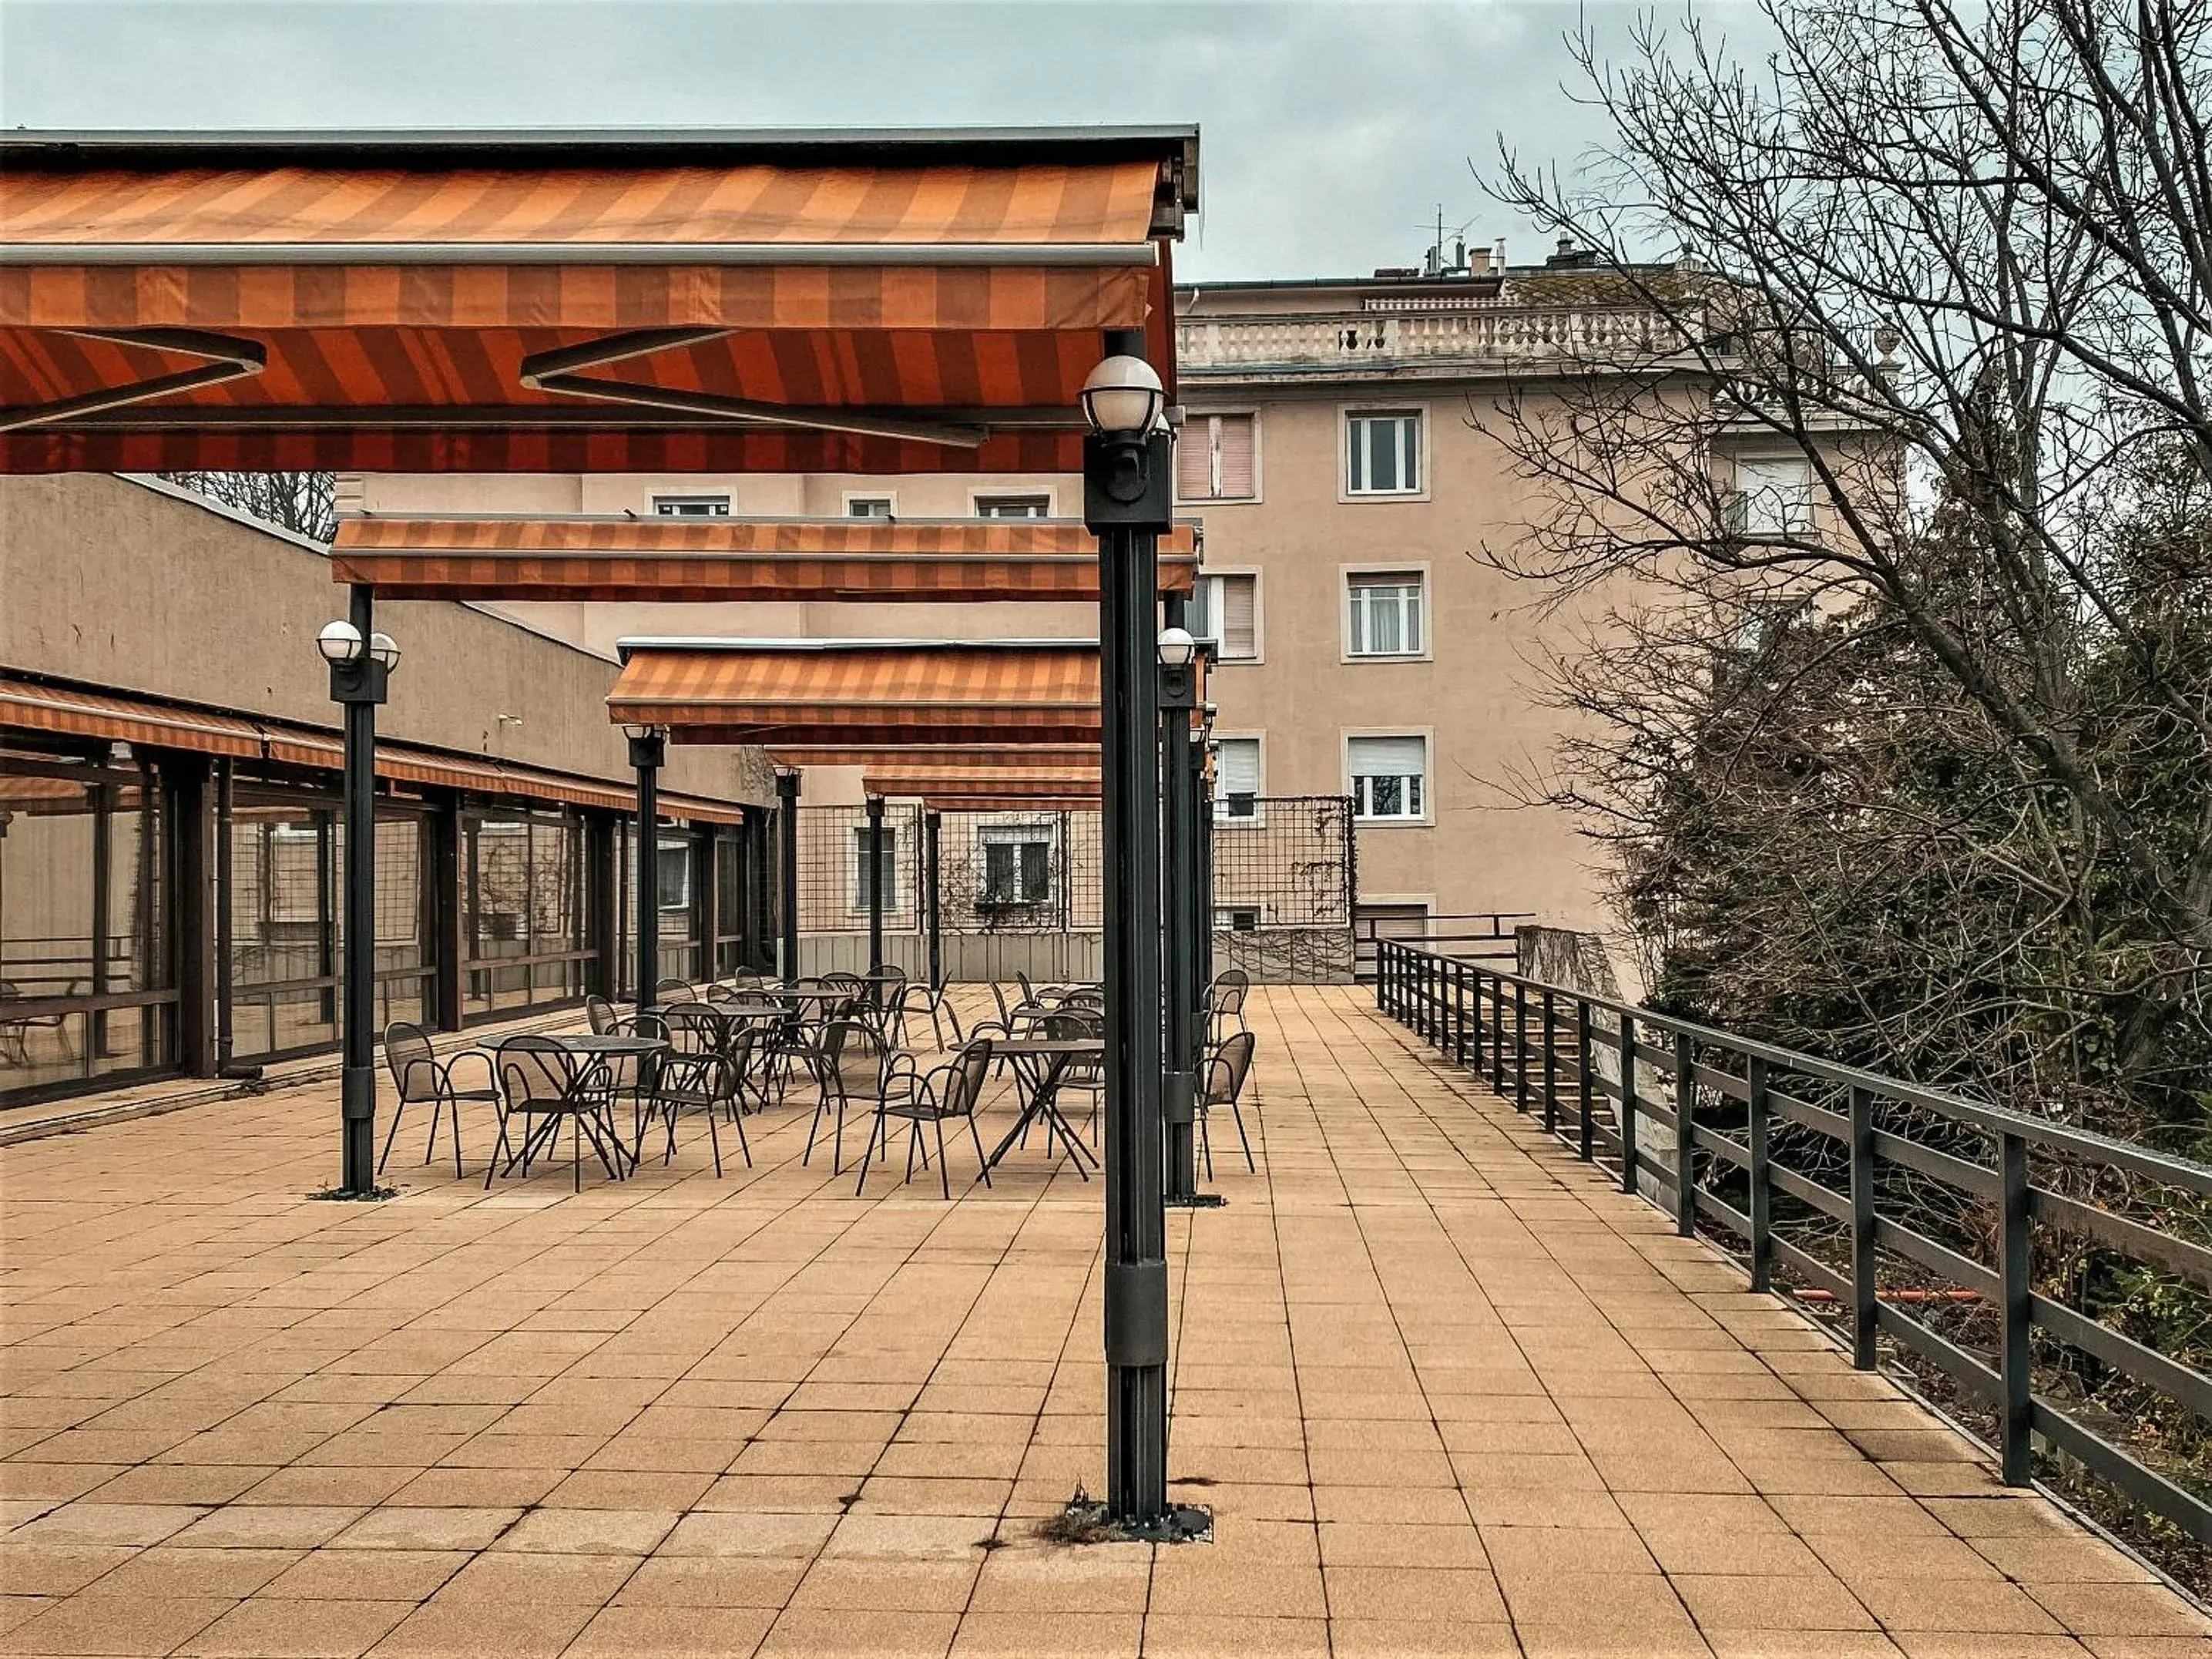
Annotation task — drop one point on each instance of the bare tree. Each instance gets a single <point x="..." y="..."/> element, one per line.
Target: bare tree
<point x="1958" y="261"/>
<point x="304" y="503"/>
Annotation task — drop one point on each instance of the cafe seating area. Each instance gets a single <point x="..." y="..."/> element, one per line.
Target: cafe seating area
<point x="705" y="1068"/>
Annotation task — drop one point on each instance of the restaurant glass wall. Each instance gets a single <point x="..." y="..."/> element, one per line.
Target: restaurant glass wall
<point x="286" y="920"/>
<point x="87" y="982"/>
<point x="683" y="876"/>
<point x="523" y="933"/>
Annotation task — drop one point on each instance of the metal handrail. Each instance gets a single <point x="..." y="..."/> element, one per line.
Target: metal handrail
<point x="1481" y="1018"/>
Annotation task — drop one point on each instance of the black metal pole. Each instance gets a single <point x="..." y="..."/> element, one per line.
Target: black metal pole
<point x="358" y="1074"/>
<point x="1179" y="902"/>
<point x="1204" y="808"/>
<point x="648" y="752"/>
<point x="933" y="830"/>
<point x="875" y="888"/>
<point x="786" y="813"/>
<point x="1127" y="503"/>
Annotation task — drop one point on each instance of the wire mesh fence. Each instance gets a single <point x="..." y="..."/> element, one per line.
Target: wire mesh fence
<point x="1283" y="884"/>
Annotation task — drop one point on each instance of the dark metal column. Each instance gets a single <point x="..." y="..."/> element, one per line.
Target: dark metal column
<point x="875" y="888"/>
<point x="225" y="945"/>
<point x="1126" y="504"/>
<point x="448" y="994"/>
<point x="786" y="812"/>
<point x="933" y="831"/>
<point x="649" y="752"/>
<point x="1178" y="697"/>
<point x="357" y="1084"/>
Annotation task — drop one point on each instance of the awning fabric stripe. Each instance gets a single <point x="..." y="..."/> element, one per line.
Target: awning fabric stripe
<point x="114" y="718"/>
<point x="863" y="693"/>
<point x="725" y="560"/>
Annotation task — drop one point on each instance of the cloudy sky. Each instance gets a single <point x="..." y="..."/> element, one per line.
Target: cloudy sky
<point x="1332" y="131"/>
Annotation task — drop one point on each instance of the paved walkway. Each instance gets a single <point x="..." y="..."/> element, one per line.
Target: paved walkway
<point x="1446" y="1392"/>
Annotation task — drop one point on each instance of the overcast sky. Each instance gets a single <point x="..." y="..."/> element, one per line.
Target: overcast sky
<point x="1332" y="131"/>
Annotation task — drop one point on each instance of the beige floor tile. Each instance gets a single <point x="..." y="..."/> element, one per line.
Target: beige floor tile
<point x="672" y="1632"/>
<point x="814" y="1631"/>
<point x="588" y="1532"/>
<point x="1388" y="1638"/>
<point x="447" y="1627"/>
<point x="366" y="1575"/>
<point x="91" y="1623"/>
<point x="169" y="1570"/>
<point x="276" y="1629"/>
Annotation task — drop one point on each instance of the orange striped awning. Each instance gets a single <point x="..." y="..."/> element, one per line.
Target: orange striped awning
<point x="861" y="691"/>
<point x="573" y="302"/>
<point x="730" y="559"/>
<point x="955" y="757"/>
<point x="113" y="717"/>
<point x="943" y="783"/>
<point x="116" y="718"/>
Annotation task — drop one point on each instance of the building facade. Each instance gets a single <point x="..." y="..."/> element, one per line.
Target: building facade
<point x="170" y="825"/>
<point x="1365" y="643"/>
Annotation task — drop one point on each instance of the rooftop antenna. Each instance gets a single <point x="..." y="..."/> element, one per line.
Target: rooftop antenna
<point x="1448" y="251"/>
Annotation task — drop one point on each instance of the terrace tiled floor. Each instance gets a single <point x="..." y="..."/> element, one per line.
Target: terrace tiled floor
<point x="1446" y="1392"/>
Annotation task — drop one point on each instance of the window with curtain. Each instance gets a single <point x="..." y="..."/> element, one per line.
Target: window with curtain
<point x="885" y="871"/>
<point x="691" y="507"/>
<point x="1217" y="459"/>
<point x="1013" y="507"/>
<point x="1236" y="777"/>
<point x="1383" y="452"/>
<point x="867" y="506"/>
<point x="1383" y="615"/>
<point x="1225" y="609"/>
<point x="1390" y="777"/>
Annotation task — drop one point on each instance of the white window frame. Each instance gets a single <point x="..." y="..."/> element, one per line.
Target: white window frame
<point x="845" y="504"/>
<point x="1348" y="574"/>
<point x="1789" y="521"/>
<point x="860" y="862"/>
<point x="988" y="836"/>
<point x="1259" y="615"/>
<point x="662" y="504"/>
<point x="1050" y="494"/>
<point x="1345" y="415"/>
<point x="1192" y="419"/>
<point x="662" y="846"/>
<point x="1221" y="818"/>
<point x="1426" y="819"/>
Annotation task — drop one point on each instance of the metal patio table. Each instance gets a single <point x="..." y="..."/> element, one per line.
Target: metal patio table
<point x="595" y="1046"/>
<point x="1039" y="1061"/>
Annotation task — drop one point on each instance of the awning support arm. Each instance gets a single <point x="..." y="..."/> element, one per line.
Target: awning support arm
<point x="229" y="359"/>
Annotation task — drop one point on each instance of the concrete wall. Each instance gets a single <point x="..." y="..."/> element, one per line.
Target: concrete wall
<point x="140" y="586"/>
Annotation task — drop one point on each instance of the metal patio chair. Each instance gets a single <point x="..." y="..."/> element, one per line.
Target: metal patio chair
<point x="949" y="1091"/>
<point x="1221" y="1083"/>
<point x="710" y="1084"/>
<point x="851" y="1061"/>
<point x="934" y="1000"/>
<point x="420" y="1078"/>
<point x="1225" y="1001"/>
<point x="542" y="1084"/>
<point x="601" y="1015"/>
<point x="673" y="990"/>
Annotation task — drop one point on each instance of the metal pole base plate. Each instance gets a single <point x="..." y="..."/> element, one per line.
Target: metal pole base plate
<point x="1197" y="1201"/>
<point x="1085" y="1521"/>
<point x="340" y="1195"/>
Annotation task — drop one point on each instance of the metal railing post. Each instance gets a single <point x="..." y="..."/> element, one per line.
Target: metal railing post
<point x="1585" y="1084"/>
<point x="2014" y="1442"/>
<point x="1863" y="1256"/>
<point x="1519" y="1046"/>
<point x="1627" y="1113"/>
<point x="1551" y="1067"/>
<point x="1762" y="1188"/>
<point x="1685" y="1161"/>
<point x="1497" y="1035"/>
<point x="1475" y="974"/>
<point x="1459" y="1013"/>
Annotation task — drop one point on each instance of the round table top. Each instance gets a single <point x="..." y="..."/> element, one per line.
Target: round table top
<point x="592" y="1043"/>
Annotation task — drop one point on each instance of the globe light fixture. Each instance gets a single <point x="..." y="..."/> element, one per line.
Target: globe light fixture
<point x="340" y="642"/>
<point x="1177" y="647"/>
<point x="1123" y="397"/>
<point x="384" y="649"/>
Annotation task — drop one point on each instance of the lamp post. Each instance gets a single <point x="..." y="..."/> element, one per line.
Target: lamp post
<point x="648" y="753"/>
<point x="362" y="661"/>
<point x="1201" y="752"/>
<point x="1178" y="698"/>
<point x="787" y="815"/>
<point x="933" y="828"/>
<point x="875" y="894"/>
<point x="1127" y="503"/>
